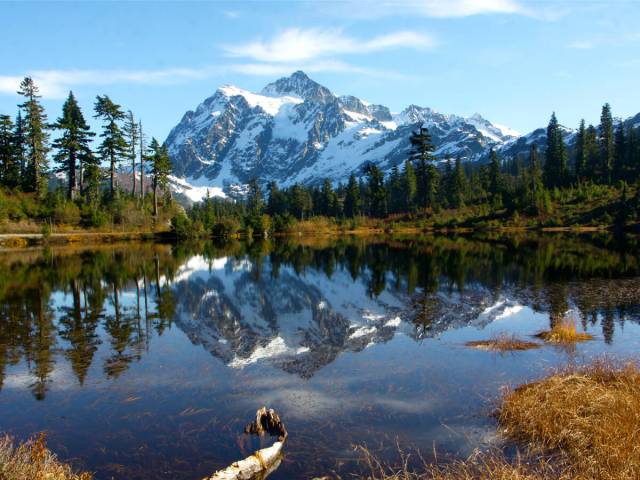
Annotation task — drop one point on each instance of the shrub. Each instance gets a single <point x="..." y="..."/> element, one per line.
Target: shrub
<point x="67" y="213"/>
<point x="181" y="226"/>
<point x="32" y="460"/>
<point x="226" y="227"/>
<point x="283" y="223"/>
<point x="258" y="224"/>
<point x="93" y="216"/>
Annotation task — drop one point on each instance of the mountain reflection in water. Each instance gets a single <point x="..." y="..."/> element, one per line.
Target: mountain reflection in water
<point x="292" y="306"/>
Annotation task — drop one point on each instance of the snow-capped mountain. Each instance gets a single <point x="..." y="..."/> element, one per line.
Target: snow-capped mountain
<point x="296" y="130"/>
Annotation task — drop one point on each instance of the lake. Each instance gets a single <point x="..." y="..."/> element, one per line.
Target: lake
<point x="145" y="361"/>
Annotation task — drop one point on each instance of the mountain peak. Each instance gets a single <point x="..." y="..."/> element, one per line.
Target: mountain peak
<point x="300" y="85"/>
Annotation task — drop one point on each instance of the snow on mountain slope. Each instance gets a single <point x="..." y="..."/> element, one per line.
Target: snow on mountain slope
<point x="296" y="130"/>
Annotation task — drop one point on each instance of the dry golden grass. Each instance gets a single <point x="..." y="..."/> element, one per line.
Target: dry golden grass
<point x="564" y="332"/>
<point x="33" y="461"/>
<point x="480" y="466"/>
<point x="591" y="414"/>
<point x="503" y="342"/>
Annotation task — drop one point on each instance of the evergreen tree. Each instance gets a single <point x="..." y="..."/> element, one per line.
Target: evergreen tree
<point x="73" y="145"/>
<point x="592" y="153"/>
<point x="330" y="200"/>
<point x="352" y="201"/>
<point x="620" y="153"/>
<point x="633" y="154"/>
<point x="36" y="139"/>
<point x="395" y="188"/>
<point x="9" y="166"/>
<point x="91" y="178"/>
<point x="377" y="192"/>
<point x="496" y="183"/>
<point x="132" y="133"/>
<point x="255" y="199"/>
<point x="276" y="203"/>
<point x="300" y="202"/>
<point x="536" y="186"/>
<point x="582" y="159"/>
<point x="607" y="145"/>
<point x="555" y="167"/>
<point x="426" y="173"/>
<point x="19" y="148"/>
<point x="143" y="154"/>
<point x="410" y="187"/>
<point x="458" y="185"/>
<point x="114" y="146"/>
<point x="447" y="180"/>
<point x="160" y="170"/>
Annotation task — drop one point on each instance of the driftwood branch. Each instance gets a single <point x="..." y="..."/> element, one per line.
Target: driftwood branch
<point x="260" y="464"/>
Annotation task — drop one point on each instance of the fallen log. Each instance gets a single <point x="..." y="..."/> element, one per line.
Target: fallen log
<point x="263" y="462"/>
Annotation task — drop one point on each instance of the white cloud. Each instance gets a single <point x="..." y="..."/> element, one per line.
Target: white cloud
<point x="466" y="8"/>
<point x="295" y="45"/>
<point x="56" y="83"/>
<point x="444" y="9"/>
<point x="582" y="44"/>
<point x="275" y="69"/>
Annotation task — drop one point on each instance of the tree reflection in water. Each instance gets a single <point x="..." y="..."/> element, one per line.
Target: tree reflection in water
<point x="65" y="304"/>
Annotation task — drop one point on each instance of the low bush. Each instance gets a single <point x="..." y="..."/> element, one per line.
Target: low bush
<point x="226" y="227"/>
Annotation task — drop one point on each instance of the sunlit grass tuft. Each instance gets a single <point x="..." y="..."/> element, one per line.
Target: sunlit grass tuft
<point x="590" y="413"/>
<point x="32" y="460"/>
<point x="492" y="465"/>
<point x="503" y="342"/>
<point x="564" y="332"/>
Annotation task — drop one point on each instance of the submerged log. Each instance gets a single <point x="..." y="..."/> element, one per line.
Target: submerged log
<point x="260" y="464"/>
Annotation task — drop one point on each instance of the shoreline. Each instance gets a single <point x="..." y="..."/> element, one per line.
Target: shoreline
<point x="30" y="239"/>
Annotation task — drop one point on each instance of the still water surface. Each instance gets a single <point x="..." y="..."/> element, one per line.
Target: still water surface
<point x="146" y="361"/>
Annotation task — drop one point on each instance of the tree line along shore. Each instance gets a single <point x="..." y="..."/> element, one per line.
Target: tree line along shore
<point x="76" y="183"/>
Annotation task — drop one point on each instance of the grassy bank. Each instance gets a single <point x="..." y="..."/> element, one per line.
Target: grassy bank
<point x="33" y="461"/>
<point x="578" y="423"/>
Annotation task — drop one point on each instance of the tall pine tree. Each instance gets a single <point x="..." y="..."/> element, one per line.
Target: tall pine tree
<point x="555" y="167"/>
<point x="19" y="148"/>
<point x="426" y="173"/>
<point x="582" y="158"/>
<point x="620" y="153"/>
<point x="36" y="139"/>
<point x="74" y="144"/>
<point x="9" y="166"/>
<point x="132" y="133"/>
<point x="160" y="170"/>
<point x="143" y="154"/>
<point x="593" y="153"/>
<point x="607" y="143"/>
<point x="410" y="187"/>
<point x="352" y="201"/>
<point x="458" y="185"/>
<point x="395" y="188"/>
<point x="113" y="147"/>
<point x="377" y="192"/>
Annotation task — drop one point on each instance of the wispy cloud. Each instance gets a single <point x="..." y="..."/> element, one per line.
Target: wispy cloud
<point x="466" y="8"/>
<point x="582" y="44"/>
<point x="296" y="45"/>
<point x="335" y="66"/>
<point x="451" y="9"/>
<point x="56" y="83"/>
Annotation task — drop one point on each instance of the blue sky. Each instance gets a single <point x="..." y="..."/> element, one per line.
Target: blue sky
<point x="512" y="61"/>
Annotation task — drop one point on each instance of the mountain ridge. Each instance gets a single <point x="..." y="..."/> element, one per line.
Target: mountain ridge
<point x="295" y="130"/>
